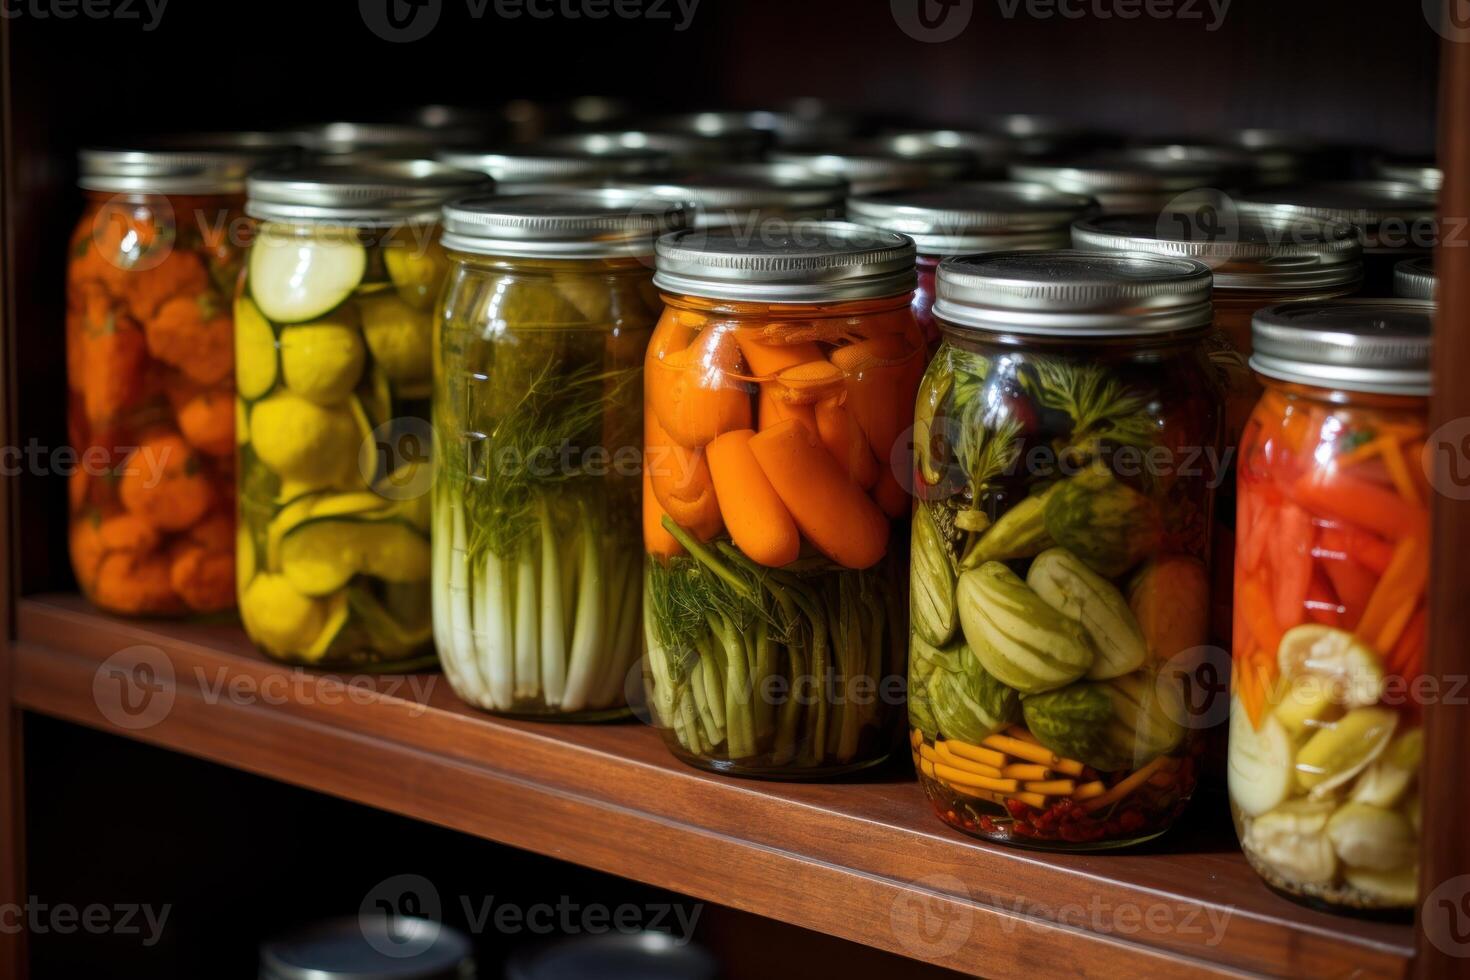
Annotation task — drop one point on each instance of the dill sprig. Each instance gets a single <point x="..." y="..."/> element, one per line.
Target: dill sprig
<point x="1099" y="405"/>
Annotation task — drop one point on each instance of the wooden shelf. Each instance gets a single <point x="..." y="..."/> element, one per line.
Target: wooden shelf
<point x="863" y="860"/>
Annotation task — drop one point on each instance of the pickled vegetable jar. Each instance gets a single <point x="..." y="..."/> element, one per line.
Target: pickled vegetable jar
<point x="538" y="408"/>
<point x="1331" y="567"/>
<point x="969" y="217"/>
<point x="149" y="286"/>
<point x="778" y="387"/>
<point x="1060" y="590"/>
<point x="333" y="371"/>
<point x="1256" y="262"/>
<point x="1395" y="221"/>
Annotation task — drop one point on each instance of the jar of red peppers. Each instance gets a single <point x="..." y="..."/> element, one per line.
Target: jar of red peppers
<point x="778" y="390"/>
<point x="1059" y="586"/>
<point x="1256" y="263"/>
<point x="1331" y="566"/>
<point x="970" y="217"/>
<point x="150" y="361"/>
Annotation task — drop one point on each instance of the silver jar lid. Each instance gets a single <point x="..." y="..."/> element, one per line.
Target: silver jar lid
<point x="731" y="133"/>
<point x="679" y="150"/>
<point x="199" y="163"/>
<point x="885" y="163"/>
<point x="987" y="148"/>
<point x="1068" y="293"/>
<point x="1422" y="172"/>
<point x="1133" y="179"/>
<point x="1414" y="278"/>
<point x="973" y="217"/>
<point x="1372" y="345"/>
<point x="724" y="194"/>
<point x="1254" y="166"/>
<point x="370" y="947"/>
<point x="806" y="262"/>
<point x="390" y="140"/>
<point x="1302" y="255"/>
<point x="1391" y="208"/>
<point x="378" y="192"/>
<point x="1036" y="135"/>
<point x="559" y="226"/>
<point x="565" y="159"/>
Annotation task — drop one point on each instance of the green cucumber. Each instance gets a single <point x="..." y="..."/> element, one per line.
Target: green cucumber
<point x="294" y="278"/>
<point x="322" y="554"/>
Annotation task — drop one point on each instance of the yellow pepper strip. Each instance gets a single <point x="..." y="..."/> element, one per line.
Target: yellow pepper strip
<point x="1123" y="788"/>
<point x="967" y="751"/>
<point x="916" y="738"/>
<point x="1398" y="472"/>
<point x="927" y="768"/>
<point x="1026" y="770"/>
<point x="1052" y="787"/>
<point x="1032" y="752"/>
<point x="1090" y="790"/>
<point x="1016" y="731"/>
<point x="953" y="775"/>
<point x="944" y="755"/>
<point x="1030" y="799"/>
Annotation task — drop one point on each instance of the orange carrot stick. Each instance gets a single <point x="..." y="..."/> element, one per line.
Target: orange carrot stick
<point x="772" y="408"/>
<point x="809" y="382"/>
<point x="1402" y="583"/>
<point x="767" y="360"/>
<point x="831" y="510"/>
<point x="681" y="481"/>
<point x="882" y="382"/>
<point x="845" y="441"/>
<point x="657" y="540"/>
<point x="889" y="494"/>
<point x="1260" y="620"/>
<point x="692" y="391"/>
<point x="1357" y="501"/>
<point x="758" y="521"/>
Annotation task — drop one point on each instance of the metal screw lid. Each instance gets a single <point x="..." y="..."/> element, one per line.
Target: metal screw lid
<point x="559" y="226"/>
<point x="379" y="192"/>
<point x="1245" y="254"/>
<point x="1036" y="135"/>
<point x="1422" y="172"/>
<point x="886" y="163"/>
<point x="370" y="947"/>
<point x="1133" y="179"/>
<point x="971" y="217"/>
<point x="986" y="147"/>
<point x="734" y="133"/>
<point x="198" y="163"/>
<point x="1372" y="345"/>
<point x="677" y="149"/>
<point x="1414" y="278"/>
<point x="1067" y="293"/>
<point x="589" y="158"/>
<point x="385" y="139"/>
<point x="805" y="262"/>
<point x="1375" y="206"/>
<point x="724" y="194"/>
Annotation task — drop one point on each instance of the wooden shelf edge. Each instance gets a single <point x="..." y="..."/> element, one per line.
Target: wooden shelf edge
<point x="609" y="798"/>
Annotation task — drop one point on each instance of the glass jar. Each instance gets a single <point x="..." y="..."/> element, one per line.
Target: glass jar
<point x="752" y="197"/>
<point x="1126" y="181"/>
<point x="553" y="166"/>
<point x="883" y="163"/>
<point x="969" y="217"/>
<point x="333" y="371"/>
<point x="1332" y="562"/>
<point x="1256" y="263"/>
<point x="1059" y="588"/>
<point x="149" y="284"/>
<point x="778" y="387"/>
<point x="1414" y="278"/>
<point x="1421" y="171"/>
<point x="538" y="407"/>
<point x="1396" y="221"/>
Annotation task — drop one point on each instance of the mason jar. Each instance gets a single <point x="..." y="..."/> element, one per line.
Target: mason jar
<point x="1131" y="180"/>
<point x="1415" y="279"/>
<point x="778" y="391"/>
<point x="333" y="373"/>
<point x="538" y="406"/>
<point x="1395" y="221"/>
<point x="1331" y="573"/>
<point x="1060" y="585"/>
<point x="552" y="166"/>
<point x="150" y="278"/>
<point x="883" y="163"/>
<point x="753" y="197"/>
<point x="969" y="217"/>
<point x="1256" y="262"/>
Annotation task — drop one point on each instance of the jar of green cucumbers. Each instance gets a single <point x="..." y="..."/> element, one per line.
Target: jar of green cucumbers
<point x="1059" y="592"/>
<point x="332" y="345"/>
<point x="538" y="402"/>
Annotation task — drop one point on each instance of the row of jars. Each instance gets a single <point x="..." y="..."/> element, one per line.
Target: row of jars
<point x="1004" y="478"/>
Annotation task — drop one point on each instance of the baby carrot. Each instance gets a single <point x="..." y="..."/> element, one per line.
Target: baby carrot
<point x="657" y="540"/>
<point x="882" y="381"/>
<point x="889" y="494"/>
<point x="772" y="408"/>
<point x="692" y="390"/>
<point x="811" y="381"/>
<point x="758" y="521"/>
<point x="1356" y="501"/>
<point x="845" y="441"/>
<point x="831" y="511"/>
<point x="766" y="360"/>
<point x="681" y="481"/>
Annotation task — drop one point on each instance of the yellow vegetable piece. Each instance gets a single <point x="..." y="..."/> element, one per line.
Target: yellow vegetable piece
<point x="400" y="338"/>
<point x="321" y="555"/>
<point x="417" y="269"/>
<point x="255" y="351"/>
<point x="1344" y="748"/>
<point x="1354" y="670"/>
<point x="322" y="360"/>
<point x="306" y="445"/>
<point x="278" y="616"/>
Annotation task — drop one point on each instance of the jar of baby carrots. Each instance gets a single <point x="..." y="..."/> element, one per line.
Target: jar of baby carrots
<point x="1059" y="590"/>
<point x="1332" y="562"/>
<point x="150" y="360"/>
<point x="779" y="386"/>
